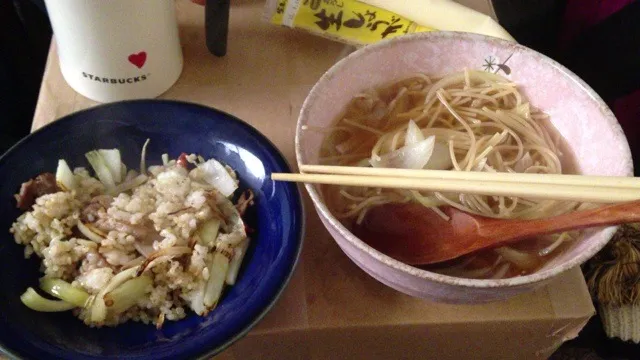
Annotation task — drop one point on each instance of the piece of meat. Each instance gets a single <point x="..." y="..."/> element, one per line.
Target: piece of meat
<point x="26" y="197"/>
<point x="90" y="212"/>
<point x="31" y="190"/>
<point x="144" y="233"/>
<point x="182" y="161"/>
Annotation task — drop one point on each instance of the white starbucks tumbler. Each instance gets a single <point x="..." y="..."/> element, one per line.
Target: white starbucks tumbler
<point x="114" y="50"/>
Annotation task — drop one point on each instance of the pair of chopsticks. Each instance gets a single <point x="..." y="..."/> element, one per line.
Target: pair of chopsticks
<point x="584" y="188"/>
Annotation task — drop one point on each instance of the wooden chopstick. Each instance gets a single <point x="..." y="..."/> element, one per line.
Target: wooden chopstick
<point x="551" y="191"/>
<point x="554" y="179"/>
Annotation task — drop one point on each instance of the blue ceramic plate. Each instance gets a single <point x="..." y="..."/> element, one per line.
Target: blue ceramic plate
<point x="173" y="127"/>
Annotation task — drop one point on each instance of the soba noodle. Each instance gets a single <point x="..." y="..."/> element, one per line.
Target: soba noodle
<point x="467" y="121"/>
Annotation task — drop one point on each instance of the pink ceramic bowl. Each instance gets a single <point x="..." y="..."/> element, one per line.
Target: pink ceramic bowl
<point x="577" y="112"/>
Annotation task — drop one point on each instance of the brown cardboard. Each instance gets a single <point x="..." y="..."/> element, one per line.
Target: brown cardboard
<point x="332" y="309"/>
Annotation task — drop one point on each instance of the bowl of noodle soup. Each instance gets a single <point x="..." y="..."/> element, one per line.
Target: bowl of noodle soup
<point x="459" y="102"/>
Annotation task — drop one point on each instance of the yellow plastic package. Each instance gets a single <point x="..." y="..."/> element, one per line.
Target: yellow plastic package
<point x="445" y="15"/>
<point x="348" y="21"/>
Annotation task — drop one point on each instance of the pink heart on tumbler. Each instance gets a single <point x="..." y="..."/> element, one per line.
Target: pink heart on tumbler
<point x="138" y="59"/>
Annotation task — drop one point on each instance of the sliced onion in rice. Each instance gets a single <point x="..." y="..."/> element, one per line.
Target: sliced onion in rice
<point x="130" y="184"/>
<point x="165" y="159"/>
<point x="127" y="294"/>
<point x="215" y="174"/>
<point x="111" y="158"/>
<point x="208" y="231"/>
<point x="87" y="243"/>
<point x="236" y="261"/>
<point x="143" y="158"/>
<point x="90" y="231"/>
<point x="148" y="265"/>
<point x="217" y="274"/>
<point x="135" y="262"/>
<point x="172" y="251"/>
<point x="64" y="177"/>
<point x="34" y="301"/>
<point x="235" y="229"/>
<point x="131" y="174"/>
<point x="64" y="291"/>
<point x="96" y="304"/>
<point x="195" y="298"/>
<point x="96" y="230"/>
<point x="414" y="156"/>
<point x="98" y="310"/>
<point x="145" y="249"/>
<point x="101" y="169"/>
<point x="163" y="255"/>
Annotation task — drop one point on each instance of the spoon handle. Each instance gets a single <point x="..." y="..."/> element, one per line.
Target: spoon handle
<point x="602" y="216"/>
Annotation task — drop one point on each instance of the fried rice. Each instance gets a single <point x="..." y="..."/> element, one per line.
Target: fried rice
<point x="88" y="235"/>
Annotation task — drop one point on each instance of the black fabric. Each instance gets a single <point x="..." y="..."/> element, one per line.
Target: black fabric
<point x="25" y="35"/>
<point x="607" y="56"/>
<point x="593" y="344"/>
<point x="534" y="24"/>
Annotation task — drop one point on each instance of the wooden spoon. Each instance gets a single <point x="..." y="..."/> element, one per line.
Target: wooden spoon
<point x="416" y="235"/>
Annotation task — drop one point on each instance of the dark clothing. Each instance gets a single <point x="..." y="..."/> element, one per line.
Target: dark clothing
<point x="25" y="35"/>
